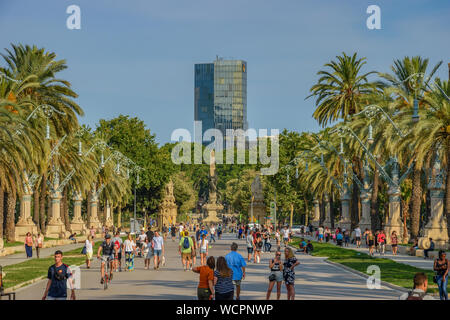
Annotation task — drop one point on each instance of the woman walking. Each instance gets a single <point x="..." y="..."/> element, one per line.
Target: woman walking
<point x="173" y="232"/>
<point x="223" y="283"/>
<point x="147" y="253"/>
<point x="441" y="266"/>
<point x="394" y="242"/>
<point x="89" y="244"/>
<point x="29" y="245"/>
<point x="203" y="250"/>
<point x="258" y="248"/>
<point x="130" y="252"/>
<point x="370" y="241"/>
<point x="39" y="243"/>
<point x="205" y="290"/>
<point x="276" y="275"/>
<point x="194" y="251"/>
<point x="289" y="264"/>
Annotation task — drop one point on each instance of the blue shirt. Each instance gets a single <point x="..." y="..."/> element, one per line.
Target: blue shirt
<point x="203" y="232"/>
<point x="339" y="236"/>
<point x="235" y="261"/>
<point x="58" y="288"/>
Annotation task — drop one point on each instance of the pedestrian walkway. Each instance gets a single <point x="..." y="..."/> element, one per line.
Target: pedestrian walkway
<point x="44" y="253"/>
<point x="414" y="261"/>
<point x="316" y="279"/>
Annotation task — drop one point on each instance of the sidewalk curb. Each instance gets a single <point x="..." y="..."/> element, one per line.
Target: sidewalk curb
<point x="24" y="284"/>
<point x="362" y="274"/>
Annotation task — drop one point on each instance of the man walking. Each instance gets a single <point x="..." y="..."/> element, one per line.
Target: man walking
<point x="358" y="236"/>
<point x="420" y="289"/>
<point x="185" y="249"/>
<point x="237" y="263"/>
<point x="57" y="275"/>
<point x="158" y="249"/>
<point x="212" y="230"/>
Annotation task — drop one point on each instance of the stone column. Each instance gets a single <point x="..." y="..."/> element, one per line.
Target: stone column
<point x="345" y="222"/>
<point x="93" y="207"/>
<point x="436" y="228"/>
<point x="108" y="219"/>
<point x="25" y="223"/>
<point x="365" y="222"/>
<point x="77" y="225"/>
<point x="395" y="222"/>
<point x="327" y="222"/>
<point x="316" y="219"/>
<point x="55" y="226"/>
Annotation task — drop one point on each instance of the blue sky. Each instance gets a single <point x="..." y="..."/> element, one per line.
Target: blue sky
<point x="137" y="57"/>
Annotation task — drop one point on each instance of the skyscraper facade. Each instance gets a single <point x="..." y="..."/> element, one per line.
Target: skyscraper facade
<point x="221" y="95"/>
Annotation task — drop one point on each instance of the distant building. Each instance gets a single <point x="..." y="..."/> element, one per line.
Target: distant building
<point x="220" y="99"/>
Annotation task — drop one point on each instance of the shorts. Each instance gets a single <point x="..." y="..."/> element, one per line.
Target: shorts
<point x="203" y="293"/>
<point x="250" y="250"/>
<point x="358" y="238"/>
<point x="157" y="252"/>
<point x="320" y="236"/>
<point x="278" y="275"/>
<point x="371" y="242"/>
<point x="203" y="251"/>
<point x="56" y="298"/>
<point x="393" y="245"/>
<point x="149" y="254"/>
<point x="237" y="282"/>
<point x="186" y="256"/>
<point x="285" y="239"/>
<point x="106" y="258"/>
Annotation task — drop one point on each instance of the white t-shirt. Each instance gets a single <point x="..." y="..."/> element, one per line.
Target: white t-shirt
<point x="285" y="233"/>
<point x="129" y="245"/>
<point x="88" y="245"/>
<point x="357" y="232"/>
<point x="277" y="235"/>
<point x="213" y="230"/>
<point x="181" y="228"/>
<point x="205" y="244"/>
<point x="142" y="237"/>
<point x="320" y="230"/>
<point x="158" y="242"/>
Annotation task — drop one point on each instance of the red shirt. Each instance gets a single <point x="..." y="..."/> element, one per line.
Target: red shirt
<point x="381" y="238"/>
<point x="206" y="274"/>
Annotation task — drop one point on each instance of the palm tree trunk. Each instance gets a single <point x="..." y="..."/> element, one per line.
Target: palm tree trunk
<point x="65" y="211"/>
<point x="36" y="208"/>
<point x="42" y="202"/>
<point x="416" y="201"/>
<point x="374" y="214"/>
<point x="11" y="216"/>
<point x="2" y="203"/>
<point x="119" y="216"/>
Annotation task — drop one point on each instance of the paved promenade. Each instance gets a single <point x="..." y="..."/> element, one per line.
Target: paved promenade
<point x="44" y="253"/>
<point x="316" y="279"/>
<point x="418" y="262"/>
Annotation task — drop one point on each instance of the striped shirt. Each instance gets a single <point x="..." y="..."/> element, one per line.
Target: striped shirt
<point x="223" y="285"/>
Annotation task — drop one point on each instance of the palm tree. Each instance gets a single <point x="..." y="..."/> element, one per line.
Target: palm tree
<point x="405" y="88"/>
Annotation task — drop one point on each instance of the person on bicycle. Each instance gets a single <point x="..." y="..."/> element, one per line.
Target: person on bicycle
<point x="108" y="251"/>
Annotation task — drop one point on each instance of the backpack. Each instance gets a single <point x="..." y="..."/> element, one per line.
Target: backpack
<point x="414" y="296"/>
<point x="186" y="243"/>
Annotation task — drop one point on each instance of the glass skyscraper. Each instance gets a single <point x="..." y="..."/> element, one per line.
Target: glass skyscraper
<point x="221" y="95"/>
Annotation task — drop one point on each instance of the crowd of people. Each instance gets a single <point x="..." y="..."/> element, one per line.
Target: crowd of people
<point x="220" y="278"/>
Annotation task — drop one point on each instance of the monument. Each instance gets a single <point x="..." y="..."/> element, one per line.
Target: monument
<point x="55" y="226"/>
<point x="258" y="207"/>
<point x="77" y="224"/>
<point x="25" y="223"/>
<point x="212" y="206"/>
<point x="167" y="208"/>
<point x="436" y="227"/>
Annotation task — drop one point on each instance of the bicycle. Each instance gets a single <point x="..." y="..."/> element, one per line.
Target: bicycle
<point x="106" y="278"/>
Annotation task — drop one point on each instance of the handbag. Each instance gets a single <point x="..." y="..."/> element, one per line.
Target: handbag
<point x="435" y="278"/>
<point x="272" y="277"/>
<point x="83" y="251"/>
